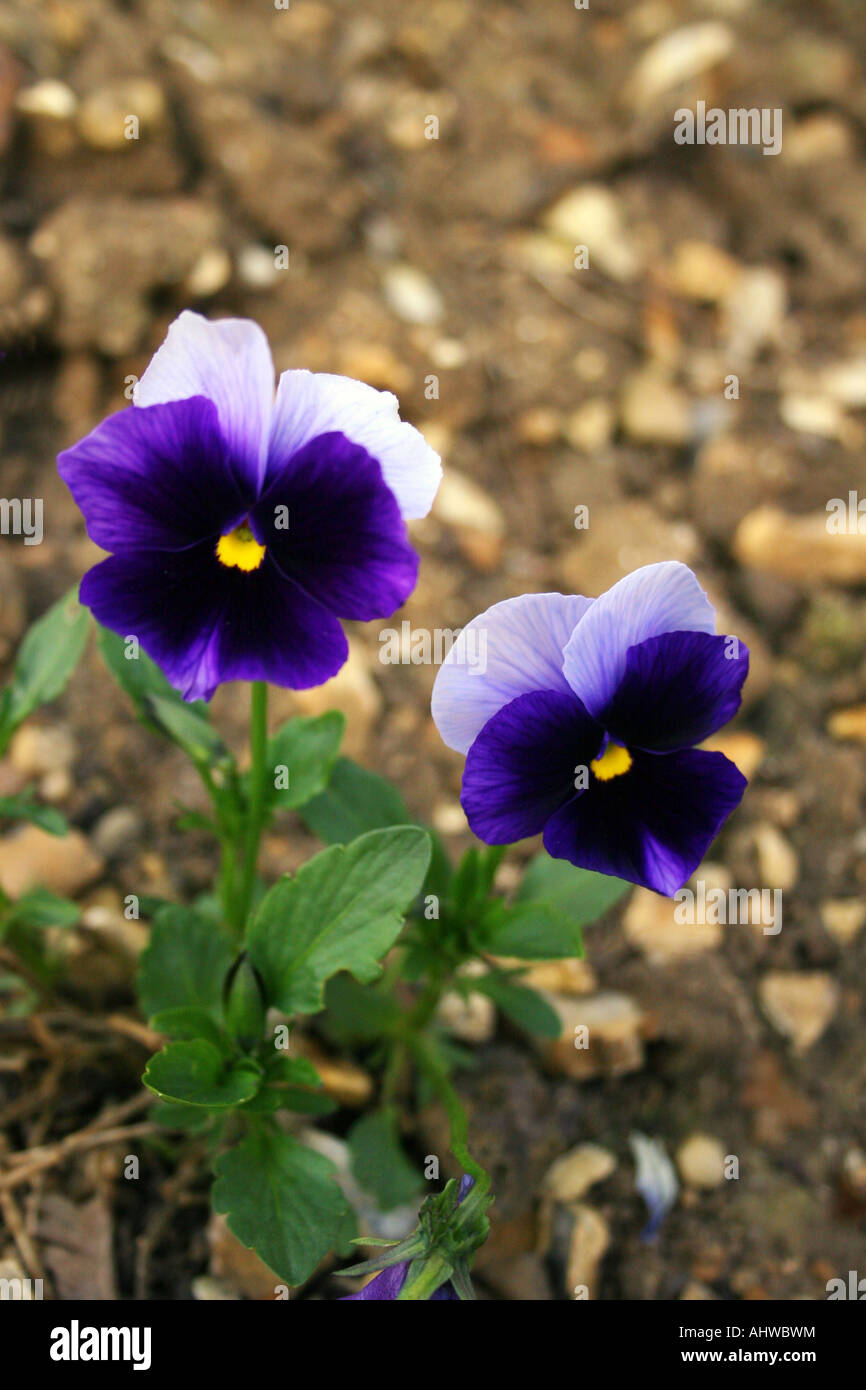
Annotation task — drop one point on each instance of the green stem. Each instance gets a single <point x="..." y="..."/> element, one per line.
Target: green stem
<point x="457" y="1121"/>
<point x="256" y="802"/>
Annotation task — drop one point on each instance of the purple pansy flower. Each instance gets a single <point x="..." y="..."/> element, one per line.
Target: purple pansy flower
<point x="583" y="721"/>
<point x="244" y="526"/>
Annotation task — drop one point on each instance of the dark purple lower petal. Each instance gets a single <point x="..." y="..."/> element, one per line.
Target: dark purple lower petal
<point x="653" y="824"/>
<point x="204" y="623"/>
<point x="387" y="1285"/>
<point x="155" y="478"/>
<point x="521" y="767"/>
<point x="677" y="690"/>
<point x="383" y="1286"/>
<point x="346" y="541"/>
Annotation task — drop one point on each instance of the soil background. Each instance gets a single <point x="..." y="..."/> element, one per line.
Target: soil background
<point x="399" y="191"/>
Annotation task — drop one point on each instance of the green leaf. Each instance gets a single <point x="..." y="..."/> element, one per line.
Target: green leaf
<point x="522" y="1004"/>
<point x="354" y="802"/>
<point x="186" y="1021"/>
<point x="357" y="800"/>
<point x="357" y="1013"/>
<point x="301" y="1087"/>
<point x="296" y="1071"/>
<point x="198" y="1073"/>
<point x="157" y="703"/>
<point x="579" y="895"/>
<point x="535" y="932"/>
<point x="46" y="659"/>
<point x="342" y="911"/>
<point x="172" y="1115"/>
<point x="184" y="963"/>
<point x="306" y="749"/>
<point x="137" y="675"/>
<point x="379" y="1163"/>
<point x="281" y="1200"/>
<point x="473" y="877"/>
<point x="190" y="729"/>
<point x="23" y="807"/>
<point x="40" y="908"/>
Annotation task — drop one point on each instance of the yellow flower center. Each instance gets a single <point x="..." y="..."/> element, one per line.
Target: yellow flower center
<point x="613" y="762"/>
<point x="240" y="549"/>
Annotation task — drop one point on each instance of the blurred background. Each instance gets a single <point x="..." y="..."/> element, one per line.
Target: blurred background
<point x="399" y="191"/>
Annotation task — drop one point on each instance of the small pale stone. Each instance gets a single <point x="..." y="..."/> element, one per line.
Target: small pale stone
<point x="843" y="917"/>
<point x="539" y="426"/>
<point x="104" y="114"/>
<point x="613" y="1036"/>
<point x="799" y="1005"/>
<point x="590" y="1238"/>
<point x="206" y="1289"/>
<point x="211" y="272"/>
<point x="462" y="503"/>
<point x="117" y="831"/>
<point x="448" y="354"/>
<point x="345" y="1081"/>
<point x="412" y="295"/>
<point x="257" y="267"/>
<point x="36" y="749"/>
<point x="777" y="858"/>
<point x="472" y="1017"/>
<point x="745" y="750"/>
<point x="590" y="427"/>
<point x="800" y="549"/>
<point x="572" y="1175"/>
<point x="654" y="411"/>
<point x="817" y="139"/>
<point x="591" y="216"/>
<point x="701" y="1161"/>
<point x="407" y="124"/>
<point x="754" y="313"/>
<point x="696" y="1292"/>
<point x="31" y="858"/>
<point x="848" y="725"/>
<point x="845" y="382"/>
<point x="49" y="98"/>
<point x="448" y="817"/>
<point x="650" y="925"/>
<point x="562" y="977"/>
<point x="703" y="272"/>
<point x="678" y="57"/>
<point x="375" y="364"/>
<point x="812" y="414"/>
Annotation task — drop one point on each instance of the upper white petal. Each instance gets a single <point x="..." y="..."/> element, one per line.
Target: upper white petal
<point x="665" y="597"/>
<point x="228" y="361"/>
<point x="513" y="648"/>
<point x="311" y="403"/>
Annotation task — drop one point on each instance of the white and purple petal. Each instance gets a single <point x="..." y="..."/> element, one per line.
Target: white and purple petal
<point x="513" y="648"/>
<point x="521" y="768"/>
<point x="229" y="361"/>
<point x="314" y="403"/>
<point x="154" y="479"/>
<point x="653" y="824"/>
<point x="653" y="600"/>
